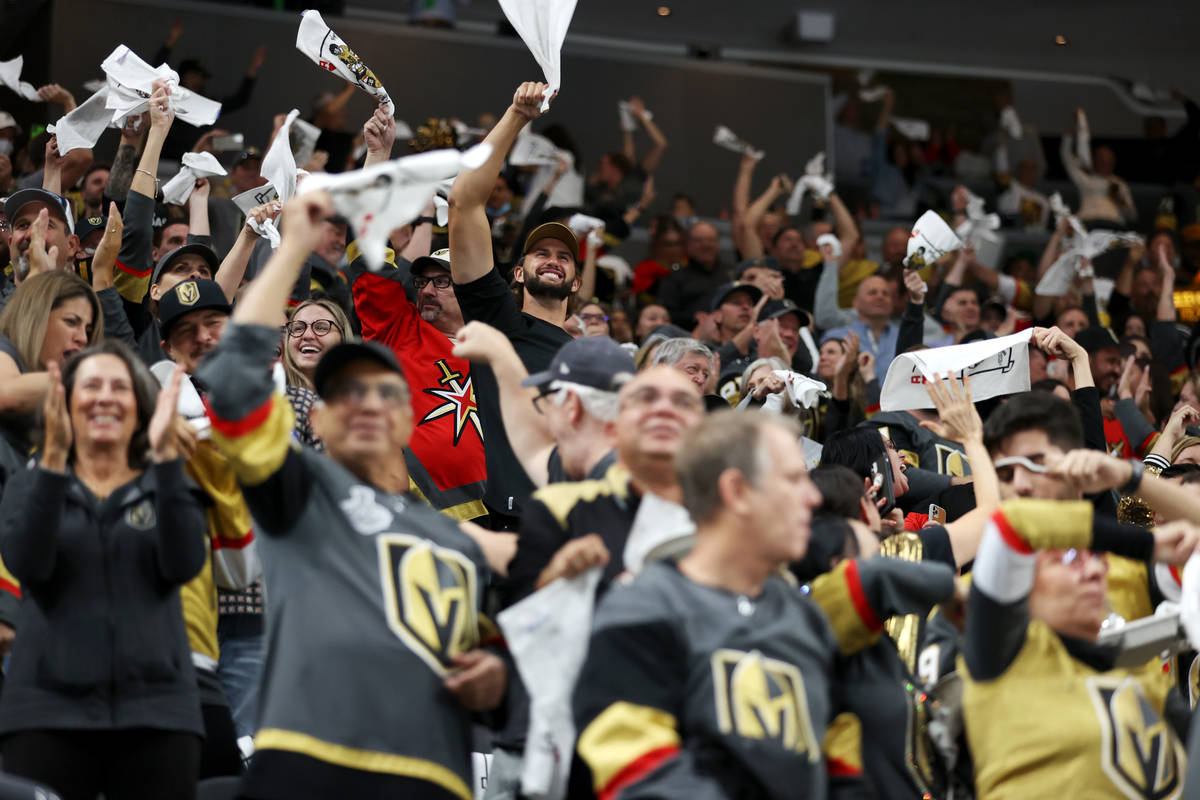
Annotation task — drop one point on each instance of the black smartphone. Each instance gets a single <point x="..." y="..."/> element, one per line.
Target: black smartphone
<point x="881" y="481"/>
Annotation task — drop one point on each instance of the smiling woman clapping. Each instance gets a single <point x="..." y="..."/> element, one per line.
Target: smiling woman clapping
<point x="100" y="695"/>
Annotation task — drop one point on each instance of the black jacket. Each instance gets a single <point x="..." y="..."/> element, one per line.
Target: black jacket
<point x="101" y="642"/>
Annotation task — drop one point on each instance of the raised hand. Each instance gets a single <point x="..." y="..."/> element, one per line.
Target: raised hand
<point x="39" y="259"/>
<point x="958" y="421"/>
<point x="379" y="131"/>
<point x="59" y="434"/>
<point x="302" y="220"/>
<point x="479" y="342"/>
<point x="105" y="259"/>
<point x="527" y="100"/>
<point x="161" y="112"/>
<point x="917" y="288"/>
<point x="164" y="438"/>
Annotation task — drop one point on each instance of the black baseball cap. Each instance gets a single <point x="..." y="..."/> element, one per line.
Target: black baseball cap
<point x="438" y="258"/>
<point x="249" y="154"/>
<point x="723" y="292"/>
<point x="1094" y="339"/>
<point x="342" y="354"/>
<point x="202" y="250"/>
<point x="594" y="361"/>
<point x="766" y="262"/>
<point x="89" y="225"/>
<point x="774" y="309"/>
<point x="184" y="298"/>
<point x="59" y="206"/>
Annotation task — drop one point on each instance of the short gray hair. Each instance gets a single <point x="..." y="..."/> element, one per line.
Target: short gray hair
<point x="672" y="351"/>
<point x="773" y="362"/>
<point x="725" y="440"/>
<point x="598" y="403"/>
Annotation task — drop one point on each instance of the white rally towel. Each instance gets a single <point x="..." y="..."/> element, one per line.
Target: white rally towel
<point x="815" y="180"/>
<point x="995" y="366"/>
<point x="979" y="231"/>
<point x="916" y="129"/>
<point x="250" y="199"/>
<point x="1011" y="123"/>
<point x="930" y="240"/>
<point x="803" y="391"/>
<point x="328" y="51"/>
<point x="660" y="528"/>
<point x="10" y="76"/>
<point x="1078" y="245"/>
<point x="723" y="137"/>
<point x="279" y="168"/>
<point x="542" y="25"/>
<point x="380" y="198"/>
<point x="195" y="165"/>
<point x="83" y="126"/>
<point x="533" y="150"/>
<point x="582" y="224"/>
<point x="547" y="634"/>
<point x="131" y="82"/>
<point x="303" y="140"/>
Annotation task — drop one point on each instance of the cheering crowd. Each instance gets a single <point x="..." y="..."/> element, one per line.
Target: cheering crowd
<point x="508" y="516"/>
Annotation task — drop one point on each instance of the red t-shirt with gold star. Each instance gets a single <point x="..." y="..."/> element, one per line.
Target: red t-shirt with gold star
<point x="446" y="460"/>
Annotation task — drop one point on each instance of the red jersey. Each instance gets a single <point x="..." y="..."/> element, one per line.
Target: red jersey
<point x="445" y="454"/>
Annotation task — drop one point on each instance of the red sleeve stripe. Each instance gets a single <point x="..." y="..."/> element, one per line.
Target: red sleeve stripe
<point x="1009" y="535"/>
<point x="872" y="409"/>
<point x="137" y="273"/>
<point x="230" y="543"/>
<point x="1148" y="442"/>
<point x="859" y="598"/>
<point x="10" y="587"/>
<point x="837" y="768"/>
<point x="635" y="770"/>
<point x="1180" y="370"/>
<point x="233" y="429"/>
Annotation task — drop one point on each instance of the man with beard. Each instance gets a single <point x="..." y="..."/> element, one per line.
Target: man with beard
<point x="546" y="276"/>
<point x="445" y="453"/>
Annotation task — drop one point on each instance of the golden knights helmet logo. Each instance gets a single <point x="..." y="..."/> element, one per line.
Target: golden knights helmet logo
<point x="430" y="598"/>
<point x="188" y="293"/>
<point x="1139" y="752"/>
<point x="762" y="698"/>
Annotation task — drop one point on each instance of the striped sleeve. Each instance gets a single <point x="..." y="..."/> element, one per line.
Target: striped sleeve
<point x="252" y="423"/>
<point x="840" y="595"/>
<point x="627" y="703"/>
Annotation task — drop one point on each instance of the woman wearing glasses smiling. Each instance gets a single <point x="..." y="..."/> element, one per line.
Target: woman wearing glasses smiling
<point x="313" y="327"/>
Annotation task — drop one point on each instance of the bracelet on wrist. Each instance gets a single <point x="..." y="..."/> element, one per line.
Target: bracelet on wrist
<point x="1136" y="470"/>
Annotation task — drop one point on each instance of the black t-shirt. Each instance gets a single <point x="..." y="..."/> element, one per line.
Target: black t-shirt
<point x="16" y="429"/>
<point x="489" y="300"/>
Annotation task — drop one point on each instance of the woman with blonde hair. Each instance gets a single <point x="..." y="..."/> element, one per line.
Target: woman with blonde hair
<point x="312" y="328"/>
<point x="50" y="317"/>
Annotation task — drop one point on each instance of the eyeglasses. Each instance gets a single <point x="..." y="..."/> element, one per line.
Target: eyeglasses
<point x="393" y="395"/>
<point x="438" y="281"/>
<point x="320" y="327"/>
<point x="594" y="317"/>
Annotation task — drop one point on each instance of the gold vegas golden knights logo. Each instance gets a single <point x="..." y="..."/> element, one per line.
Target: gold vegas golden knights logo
<point x="188" y="293"/>
<point x="761" y="698"/>
<point x="429" y="595"/>
<point x="1139" y="753"/>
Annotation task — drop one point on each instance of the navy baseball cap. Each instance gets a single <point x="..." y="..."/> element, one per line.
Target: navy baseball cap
<point x="189" y="296"/>
<point x="723" y="292"/>
<point x="89" y="225"/>
<point x="202" y="250"/>
<point x="594" y="361"/>
<point x="59" y="206"/>
<point x="766" y="262"/>
<point x="774" y="309"/>
<point x="342" y="354"/>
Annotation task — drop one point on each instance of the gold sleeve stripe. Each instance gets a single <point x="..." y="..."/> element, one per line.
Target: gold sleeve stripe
<point x="366" y="760"/>
<point x="625" y="742"/>
<point x="843" y="746"/>
<point x="257" y="444"/>
<point x="561" y="498"/>
<point x="1028" y="525"/>
<point x="353" y="252"/>
<point x="839" y="594"/>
